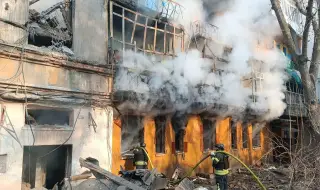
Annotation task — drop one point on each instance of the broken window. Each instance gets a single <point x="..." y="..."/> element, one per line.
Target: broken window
<point x="256" y="140"/>
<point x="142" y="33"/>
<point x="179" y="123"/>
<point x="42" y="116"/>
<point x="233" y="126"/>
<point x="39" y="170"/>
<point x="209" y="134"/>
<point x="245" y="136"/>
<point x="51" y="24"/>
<point x="160" y="122"/>
<point x="132" y="132"/>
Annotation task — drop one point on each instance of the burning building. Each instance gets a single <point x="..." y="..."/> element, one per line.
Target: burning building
<point x="184" y="84"/>
<point x="96" y="78"/>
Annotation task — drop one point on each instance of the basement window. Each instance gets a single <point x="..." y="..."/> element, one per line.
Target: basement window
<point x="233" y="126"/>
<point x="48" y="116"/>
<point x="160" y="122"/>
<point x="131" y="132"/>
<point x="245" y="136"/>
<point x="209" y="134"/>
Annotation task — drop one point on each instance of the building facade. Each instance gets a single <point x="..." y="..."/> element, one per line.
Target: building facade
<point x="173" y="138"/>
<point x="55" y="88"/>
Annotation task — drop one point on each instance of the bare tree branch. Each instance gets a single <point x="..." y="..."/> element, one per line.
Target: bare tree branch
<point x="300" y="8"/>
<point x="309" y="18"/>
<point x="285" y="28"/>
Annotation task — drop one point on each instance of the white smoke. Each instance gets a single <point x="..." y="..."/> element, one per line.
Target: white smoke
<point x="246" y="26"/>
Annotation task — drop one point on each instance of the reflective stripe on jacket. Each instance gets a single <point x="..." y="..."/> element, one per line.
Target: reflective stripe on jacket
<point x="221" y="172"/>
<point x="141" y="163"/>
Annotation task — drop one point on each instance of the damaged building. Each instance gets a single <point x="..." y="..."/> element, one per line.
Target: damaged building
<point x="176" y="138"/>
<point x="59" y="63"/>
<point x="55" y="91"/>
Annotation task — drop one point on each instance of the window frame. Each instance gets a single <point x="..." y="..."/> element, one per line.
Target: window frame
<point x="245" y="136"/>
<point x="212" y="136"/>
<point x="37" y="126"/>
<point x="138" y="136"/>
<point x="256" y="138"/>
<point x="160" y="134"/>
<point x="234" y="134"/>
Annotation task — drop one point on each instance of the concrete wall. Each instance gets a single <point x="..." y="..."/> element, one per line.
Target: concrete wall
<point x="15" y="11"/>
<point x="167" y="162"/>
<point x="85" y="142"/>
<point x="53" y="77"/>
<point x="90" y="30"/>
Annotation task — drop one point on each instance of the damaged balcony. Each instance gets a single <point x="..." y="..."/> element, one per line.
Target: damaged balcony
<point x="142" y="33"/>
<point x="294" y="99"/>
<point x="205" y="39"/>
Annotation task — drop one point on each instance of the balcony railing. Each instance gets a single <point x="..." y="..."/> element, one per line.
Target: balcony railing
<point x="295" y="104"/>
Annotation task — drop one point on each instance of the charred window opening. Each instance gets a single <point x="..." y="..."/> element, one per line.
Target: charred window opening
<point x="256" y="136"/>
<point x="46" y="171"/>
<point x="160" y="122"/>
<point x="50" y="24"/>
<point x="179" y="123"/>
<point x="245" y="136"/>
<point x="256" y="140"/>
<point x="48" y="116"/>
<point x="209" y="133"/>
<point x="132" y="132"/>
<point x="233" y="126"/>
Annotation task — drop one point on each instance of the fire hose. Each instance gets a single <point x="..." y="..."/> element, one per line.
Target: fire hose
<point x="207" y="156"/>
<point x="204" y="158"/>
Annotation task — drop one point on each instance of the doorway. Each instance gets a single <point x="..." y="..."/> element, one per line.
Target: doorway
<point x="41" y="169"/>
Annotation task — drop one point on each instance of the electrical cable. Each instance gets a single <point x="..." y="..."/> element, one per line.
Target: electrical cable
<point x="207" y="156"/>
<point x="74" y="126"/>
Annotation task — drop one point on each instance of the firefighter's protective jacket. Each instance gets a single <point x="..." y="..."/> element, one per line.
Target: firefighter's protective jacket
<point x="140" y="158"/>
<point x="220" y="163"/>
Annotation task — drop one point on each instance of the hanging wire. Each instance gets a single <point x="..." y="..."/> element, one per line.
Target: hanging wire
<point x="73" y="129"/>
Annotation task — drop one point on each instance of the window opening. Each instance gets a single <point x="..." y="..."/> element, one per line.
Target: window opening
<point x="131" y="132"/>
<point x="51" y="24"/>
<point x="256" y="139"/>
<point x="42" y="116"/>
<point x="233" y="126"/>
<point x="179" y="123"/>
<point x="245" y="136"/>
<point x="209" y="134"/>
<point x="160" y="123"/>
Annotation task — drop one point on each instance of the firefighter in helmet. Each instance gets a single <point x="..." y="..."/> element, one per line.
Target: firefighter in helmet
<point x="140" y="159"/>
<point x="220" y="163"/>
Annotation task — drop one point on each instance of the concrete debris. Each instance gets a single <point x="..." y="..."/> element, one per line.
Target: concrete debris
<point x="201" y="188"/>
<point x="137" y="179"/>
<point x="62" y="49"/>
<point x="185" y="184"/>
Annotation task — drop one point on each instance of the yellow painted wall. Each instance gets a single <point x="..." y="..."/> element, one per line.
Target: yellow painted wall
<point x="166" y="163"/>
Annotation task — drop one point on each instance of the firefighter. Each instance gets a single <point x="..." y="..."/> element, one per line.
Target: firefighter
<point x="140" y="159"/>
<point x="220" y="163"/>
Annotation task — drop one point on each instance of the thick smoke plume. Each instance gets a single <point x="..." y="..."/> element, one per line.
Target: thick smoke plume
<point x="189" y="82"/>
